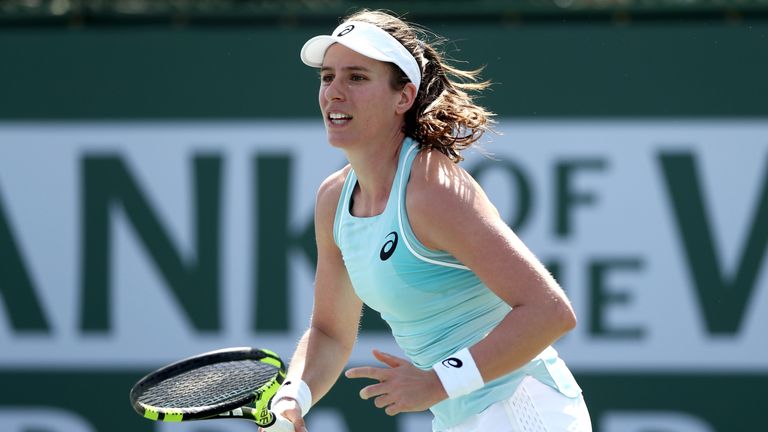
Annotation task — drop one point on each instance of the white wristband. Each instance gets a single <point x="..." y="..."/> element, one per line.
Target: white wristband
<point x="298" y="391"/>
<point x="459" y="374"/>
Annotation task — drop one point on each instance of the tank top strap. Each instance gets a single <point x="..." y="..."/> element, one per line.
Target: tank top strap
<point x="408" y="153"/>
<point x="441" y="258"/>
<point x="342" y="208"/>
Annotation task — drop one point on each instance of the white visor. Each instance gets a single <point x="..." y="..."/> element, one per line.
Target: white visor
<point x="366" y="39"/>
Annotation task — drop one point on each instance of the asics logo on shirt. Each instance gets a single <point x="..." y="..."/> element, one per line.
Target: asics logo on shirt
<point x="453" y="362"/>
<point x="389" y="246"/>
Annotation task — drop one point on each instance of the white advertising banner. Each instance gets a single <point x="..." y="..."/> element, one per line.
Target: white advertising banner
<point x="657" y="229"/>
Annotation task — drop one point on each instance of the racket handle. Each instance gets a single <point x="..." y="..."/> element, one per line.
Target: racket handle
<point x="281" y="424"/>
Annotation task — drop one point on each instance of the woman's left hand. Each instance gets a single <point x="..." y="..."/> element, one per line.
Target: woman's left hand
<point x="402" y="387"/>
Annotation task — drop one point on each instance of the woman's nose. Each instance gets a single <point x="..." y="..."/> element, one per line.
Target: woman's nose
<point x="333" y="91"/>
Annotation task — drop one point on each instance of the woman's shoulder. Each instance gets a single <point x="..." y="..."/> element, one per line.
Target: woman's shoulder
<point x="329" y="192"/>
<point x="441" y="196"/>
<point x="436" y="178"/>
<point x="335" y="181"/>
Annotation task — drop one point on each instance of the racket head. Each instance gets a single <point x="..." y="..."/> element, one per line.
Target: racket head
<point x="210" y="384"/>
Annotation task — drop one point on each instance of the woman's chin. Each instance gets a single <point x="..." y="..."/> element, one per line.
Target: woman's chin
<point x="335" y="140"/>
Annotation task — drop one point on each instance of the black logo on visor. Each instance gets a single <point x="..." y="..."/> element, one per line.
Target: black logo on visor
<point x="389" y="247"/>
<point x="346" y="30"/>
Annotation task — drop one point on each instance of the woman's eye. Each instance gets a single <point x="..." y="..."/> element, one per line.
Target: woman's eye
<point x="357" y="78"/>
<point x="326" y="78"/>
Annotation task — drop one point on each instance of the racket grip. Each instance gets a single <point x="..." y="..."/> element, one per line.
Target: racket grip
<point x="281" y="424"/>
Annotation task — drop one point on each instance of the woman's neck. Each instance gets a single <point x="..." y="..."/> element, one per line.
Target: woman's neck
<point x="375" y="170"/>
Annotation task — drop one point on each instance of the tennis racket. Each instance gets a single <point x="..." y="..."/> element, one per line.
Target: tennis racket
<point x="227" y="383"/>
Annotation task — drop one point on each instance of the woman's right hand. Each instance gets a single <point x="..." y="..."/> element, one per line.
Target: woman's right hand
<point x="289" y="409"/>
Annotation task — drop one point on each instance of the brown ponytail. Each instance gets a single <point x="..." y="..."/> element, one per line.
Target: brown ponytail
<point x="444" y="116"/>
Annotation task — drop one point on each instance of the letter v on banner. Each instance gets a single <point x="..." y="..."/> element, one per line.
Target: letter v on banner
<point x="722" y="297"/>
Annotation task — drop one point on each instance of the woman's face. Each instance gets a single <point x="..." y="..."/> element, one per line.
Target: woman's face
<point x="358" y="103"/>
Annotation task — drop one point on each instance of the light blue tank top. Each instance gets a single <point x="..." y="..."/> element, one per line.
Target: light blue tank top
<point x="434" y="305"/>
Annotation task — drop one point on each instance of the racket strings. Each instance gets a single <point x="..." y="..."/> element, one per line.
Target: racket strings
<point x="209" y="385"/>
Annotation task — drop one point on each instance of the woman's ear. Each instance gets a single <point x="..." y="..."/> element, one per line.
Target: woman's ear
<point x="407" y="98"/>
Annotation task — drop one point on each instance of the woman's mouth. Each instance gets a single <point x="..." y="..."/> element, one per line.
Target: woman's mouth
<point x="338" y="118"/>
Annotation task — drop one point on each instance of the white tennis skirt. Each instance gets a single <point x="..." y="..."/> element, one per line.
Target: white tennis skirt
<point x="535" y="407"/>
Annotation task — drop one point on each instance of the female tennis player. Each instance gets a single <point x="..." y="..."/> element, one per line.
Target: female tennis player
<point x="407" y="231"/>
